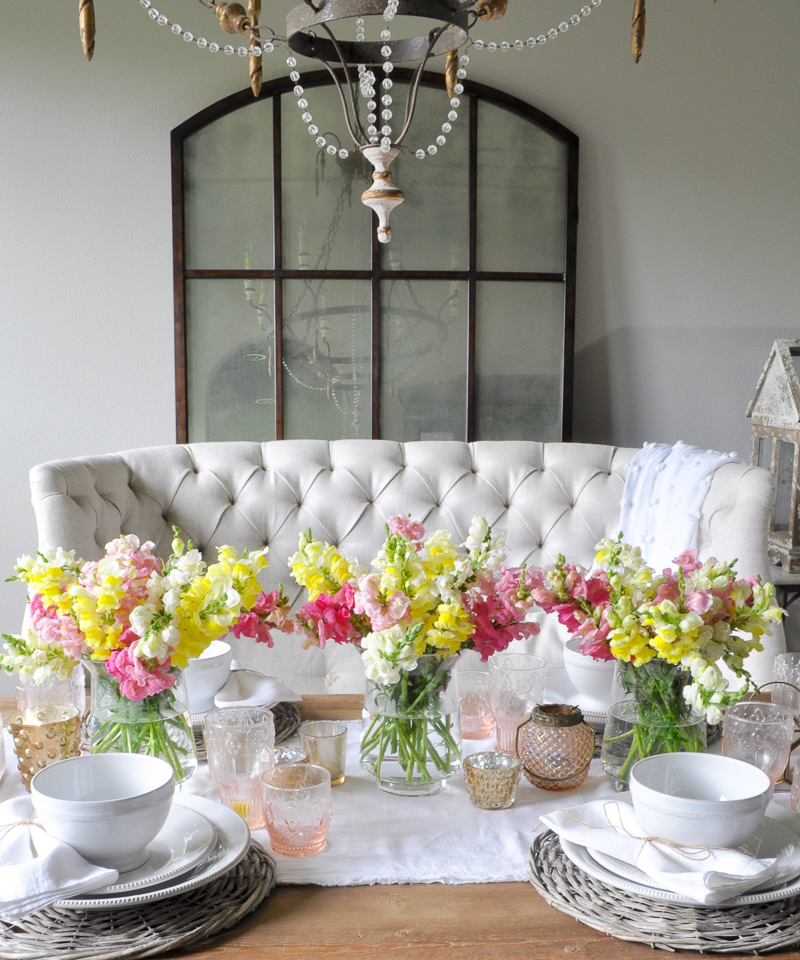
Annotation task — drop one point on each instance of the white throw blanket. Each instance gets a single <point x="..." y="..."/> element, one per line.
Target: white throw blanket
<point x="706" y="875"/>
<point x="664" y="493"/>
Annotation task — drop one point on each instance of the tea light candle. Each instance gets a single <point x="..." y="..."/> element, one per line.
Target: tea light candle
<point x="492" y="779"/>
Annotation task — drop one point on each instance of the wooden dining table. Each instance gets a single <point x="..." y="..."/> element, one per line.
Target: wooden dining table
<point x="485" y="921"/>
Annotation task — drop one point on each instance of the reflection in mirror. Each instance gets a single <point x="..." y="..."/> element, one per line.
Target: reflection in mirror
<point x="518" y="365"/>
<point x="423" y="360"/>
<point x="327" y="371"/>
<point x="230" y="359"/>
<point x="227" y="171"/>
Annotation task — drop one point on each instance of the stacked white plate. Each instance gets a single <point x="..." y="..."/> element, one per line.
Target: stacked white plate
<point x="200" y="841"/>
<point x="558" y="689"/>
<point x="772" y="837"/>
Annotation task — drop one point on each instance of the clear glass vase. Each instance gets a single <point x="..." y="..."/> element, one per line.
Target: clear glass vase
<point x="648" y="715"/>
<point x="410" y="736"/>
<point x="158" y="725"/>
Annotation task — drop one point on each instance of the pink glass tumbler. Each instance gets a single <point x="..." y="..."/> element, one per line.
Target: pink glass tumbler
<point x="297" y="807"/>
<point x="516" y="686"/>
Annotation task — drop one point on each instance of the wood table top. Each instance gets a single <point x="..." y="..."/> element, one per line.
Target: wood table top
<point x="494" y="921"/>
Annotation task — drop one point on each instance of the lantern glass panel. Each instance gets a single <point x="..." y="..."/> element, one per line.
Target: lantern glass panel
<point x="783" y="494"/>
<point x="764" y="452"/>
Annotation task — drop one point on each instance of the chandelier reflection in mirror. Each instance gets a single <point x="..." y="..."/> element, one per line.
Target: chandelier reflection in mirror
<point x="359" y="42"/>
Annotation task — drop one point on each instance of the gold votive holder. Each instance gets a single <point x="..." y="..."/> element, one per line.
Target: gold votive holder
<point x="492" y="779"/>
<point x="43" y="735"/>
<point x="290" y="755"/>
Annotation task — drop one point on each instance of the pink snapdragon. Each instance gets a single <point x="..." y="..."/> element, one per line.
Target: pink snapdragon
<point x="137" y="679"/>
<point x="406" y="528"/>
<point x="383" y="613"/>
<point x="56" y="629"/>
<point x="331" y="618"/>
<point x="687" y="561"/>
<point x="270" y="611"/>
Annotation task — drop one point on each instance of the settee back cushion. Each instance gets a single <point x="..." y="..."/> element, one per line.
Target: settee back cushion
<point x="548" y="498"/>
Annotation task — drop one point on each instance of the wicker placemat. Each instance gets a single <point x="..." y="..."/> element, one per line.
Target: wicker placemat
<point x="758" y="928"/>
<point x="146" y="930"/>
<point x="287" y="721"/>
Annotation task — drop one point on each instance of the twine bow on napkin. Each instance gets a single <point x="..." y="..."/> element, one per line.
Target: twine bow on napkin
<point x="35" y="868"/>
<point x="708" y="875"/>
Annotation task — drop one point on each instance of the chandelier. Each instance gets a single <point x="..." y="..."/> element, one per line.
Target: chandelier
<point x="343" y="36"/>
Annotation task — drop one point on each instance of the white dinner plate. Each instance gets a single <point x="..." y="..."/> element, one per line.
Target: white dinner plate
<point x="586" y="861"/>
<point x="770" y="839"/>
<point x="233" y="839"/>
<point x="183" y="841"/>
<point x="558" y="689"/>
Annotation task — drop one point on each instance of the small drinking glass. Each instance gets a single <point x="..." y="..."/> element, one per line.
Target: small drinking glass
<point x="240" y="744"/>
<point x="759" y="733"/>
<point x="325" y="742"/>
<point x="43" y="735"/>
<point x="516" y="686"/>
<point x="474" y="713"/>
<point x="492" y="779"/>
<point x="795" y="797"/>
<point x="297" y="808"/>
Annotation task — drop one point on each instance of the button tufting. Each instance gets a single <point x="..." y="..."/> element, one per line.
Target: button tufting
<point x="330" y="679"/>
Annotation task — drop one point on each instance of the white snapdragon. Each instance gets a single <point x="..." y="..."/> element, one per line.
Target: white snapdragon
<point x="141" y="618"/>
<point x="158" y="644"/>
<point x="386" y="654"/>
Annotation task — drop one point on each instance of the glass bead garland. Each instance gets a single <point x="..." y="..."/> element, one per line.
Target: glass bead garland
<point x="533" y="42"/>
<point x="202" y="44"/>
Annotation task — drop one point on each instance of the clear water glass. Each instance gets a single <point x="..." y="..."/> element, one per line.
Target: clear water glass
<point x="516" y="686"/>
<point x="474" y="712"/>
<point x="786" y="690"/>
<point x="240" y="744"/>
<point x="759" y="733"/>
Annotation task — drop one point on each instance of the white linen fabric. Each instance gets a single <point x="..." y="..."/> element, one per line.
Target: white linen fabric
<point x="705" y="875"/>
<point x="662" y="501"/>
<point x="548" y="498"/>
<point x="35" y="868"/>
<point x="248" y="688"/>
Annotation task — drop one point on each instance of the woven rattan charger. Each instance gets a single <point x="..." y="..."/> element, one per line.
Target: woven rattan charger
<point x="757" y="928"/>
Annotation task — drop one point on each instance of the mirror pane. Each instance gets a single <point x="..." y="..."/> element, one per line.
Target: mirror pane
<point x="325" y="225"/>
<point x="783" y="487"/>
<point x="423" y="360"/>
<point x="522" y="194"/>
<point x="228" y="189"/>
<point x="519" y="361"/>
<point x="230" y="382"/>
<point x="430" y="228"/>
<point x="327" y="359"/>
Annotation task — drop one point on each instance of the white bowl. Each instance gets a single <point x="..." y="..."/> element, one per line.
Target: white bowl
<point x="699" y="798"/>
<point x="108" y="806"/>
<point x="590" y="677"/>
<point x="206" y="674"/>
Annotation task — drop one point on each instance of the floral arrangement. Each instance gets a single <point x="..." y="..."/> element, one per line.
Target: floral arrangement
<point x="423" y="601"/>
<point x="139" y="620"/>
<point x="697" y="616"/>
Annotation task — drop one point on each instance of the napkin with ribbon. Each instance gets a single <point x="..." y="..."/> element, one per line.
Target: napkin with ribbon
<point x="707" y="875"/>
<point x="247" y="688"/>
<point x="35" y="868"/>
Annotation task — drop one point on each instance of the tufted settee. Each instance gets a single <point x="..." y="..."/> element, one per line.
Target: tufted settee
<point x="549" y="498"/>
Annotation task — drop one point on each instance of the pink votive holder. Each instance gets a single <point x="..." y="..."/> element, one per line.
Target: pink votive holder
<point x="297" y="808"/>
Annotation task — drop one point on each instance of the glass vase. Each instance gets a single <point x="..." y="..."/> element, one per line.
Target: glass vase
<point x="158" y="725"/>
<point x="410" y="737"/>
<point x="648" y="715"/>
<point x="53" y="692"/>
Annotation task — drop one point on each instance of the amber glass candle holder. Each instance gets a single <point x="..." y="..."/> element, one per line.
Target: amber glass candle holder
<point x="43" y="735"/>
<point x="556" y="747"/>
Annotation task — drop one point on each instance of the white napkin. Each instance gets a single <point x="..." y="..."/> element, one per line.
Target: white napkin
<point x="35" y="868"/>
<point x="247" y="688"/>
<point x="705" y="875"/>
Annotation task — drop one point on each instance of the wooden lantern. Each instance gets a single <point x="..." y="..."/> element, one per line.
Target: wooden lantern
<point x="775" y="414"/>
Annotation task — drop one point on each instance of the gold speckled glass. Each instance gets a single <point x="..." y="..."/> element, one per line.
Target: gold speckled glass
<point x="43" y="735"/>
<point x="492" y="779"/>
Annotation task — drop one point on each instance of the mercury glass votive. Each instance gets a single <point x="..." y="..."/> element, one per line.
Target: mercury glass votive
<point x="325" y="742"/>
<point x="556" y="747"/>
<point x="492" y="779"/>
<point x="290" y="755"/>
<point x="43" y="735"/>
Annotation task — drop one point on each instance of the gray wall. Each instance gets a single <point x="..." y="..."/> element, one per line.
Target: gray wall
<point x="688" y="243"/>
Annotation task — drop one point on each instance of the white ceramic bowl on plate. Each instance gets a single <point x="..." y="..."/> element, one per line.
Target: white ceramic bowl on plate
<point x="206" y="674"/>
<point x="590" y="677"/>
<point x="108" y="806"/>
<point x="699" y="798"/>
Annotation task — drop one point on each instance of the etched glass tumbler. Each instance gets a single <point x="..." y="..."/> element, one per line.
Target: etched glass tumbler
<point x="516" y="686"/>
<point x="759" y="733"/>
<point x="297" y="808"/>
<point x="786" y="692"/>
<point x="240" y="744"/>
<point x="474" y="712"/>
